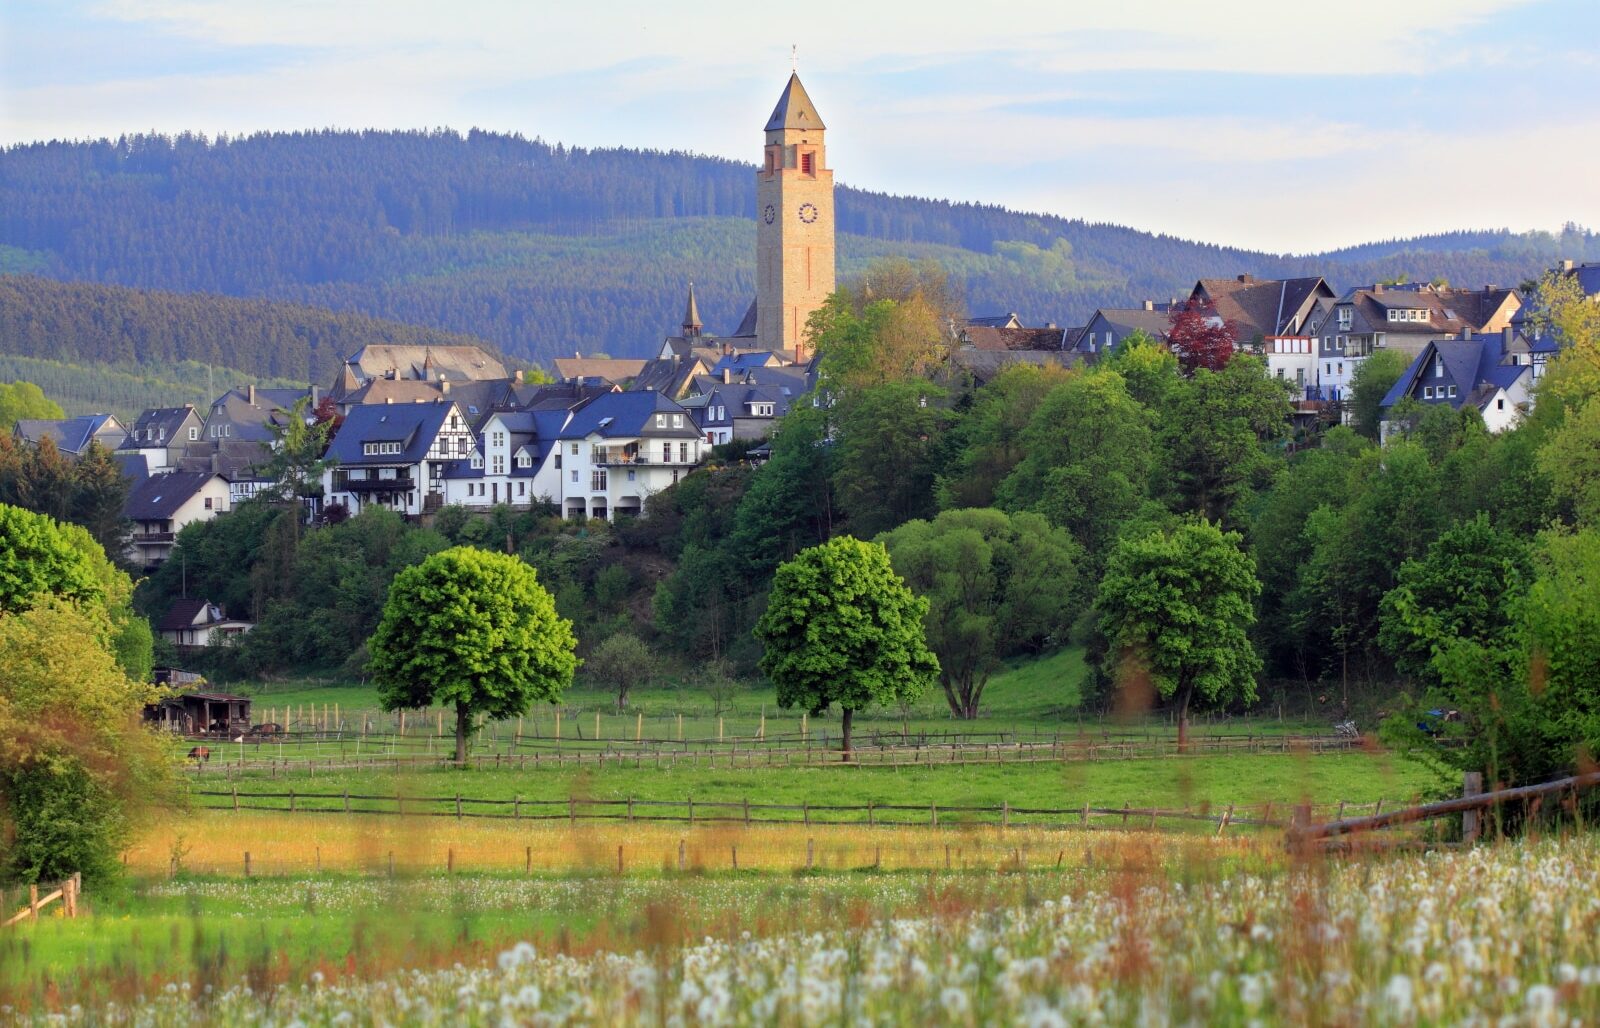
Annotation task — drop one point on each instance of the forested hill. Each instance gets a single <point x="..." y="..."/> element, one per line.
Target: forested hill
<point x="81" y="323"/>
<point x="547" y="250"/>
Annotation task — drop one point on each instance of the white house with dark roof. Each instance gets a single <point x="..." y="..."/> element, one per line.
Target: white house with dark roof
<point x="619" y="449"/>
<point x="514" y="462"/>
<point x="394" y="455"/>
<point x="1487" y="371"/>
<point x="161" y="505"/>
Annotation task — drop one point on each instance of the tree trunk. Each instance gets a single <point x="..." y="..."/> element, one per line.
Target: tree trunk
<point x="463" y="724"/>
<point x="1183" y="720"/>
<point x="849" y="715"/>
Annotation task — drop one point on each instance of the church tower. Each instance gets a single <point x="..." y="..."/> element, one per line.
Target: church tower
<point x="794" y="223"/>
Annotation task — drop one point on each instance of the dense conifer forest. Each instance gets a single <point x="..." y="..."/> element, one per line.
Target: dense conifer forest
<point x="546" y="250"/>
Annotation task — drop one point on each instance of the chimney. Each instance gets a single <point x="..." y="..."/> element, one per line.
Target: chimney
<point x="444" y="387"/>
<point x="216" y="462"/>
<point x="1149" y="305"/>
<point x="316" y="396"/>
<point x="1508" y="335"/>
<point x="388" y="399"/>
<point x="250" y="393"/>
<point x="1247" y="279"/>
<point x="516" y="376"/>
<point x="1377" y="287"/>
<point x="1566" y="265"/>
<point x="1466" y="331"/>
<point x="727" y="374"/>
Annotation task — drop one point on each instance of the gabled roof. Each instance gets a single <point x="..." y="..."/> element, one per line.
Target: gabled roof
<point x="747" y="324"/>
<point x="236" y="460"/>
<point x="795" y="109"/>
<point x="1261" y="307"/>
<point x="626" y="415"/>
<point x="1449" y="310"/>
<point x="252" y="419"/>
<point x="1009" y="320"/>
<point x="166" y="424"/>
<point x="134" y="466"/>
<point x="670" y="376"/>
<point x="983" y="365"/>
<point x="984" y="337"/>
<point x="1475" y="365"/>
<point x="413" y="425"/>
<point x="1154" y="320"/>
<point x="190" y="614"/>
<point x="159" y="496"/>
<point x="71" y="435"/>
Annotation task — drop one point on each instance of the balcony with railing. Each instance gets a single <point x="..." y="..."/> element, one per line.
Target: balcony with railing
<point x="344" y="481"/>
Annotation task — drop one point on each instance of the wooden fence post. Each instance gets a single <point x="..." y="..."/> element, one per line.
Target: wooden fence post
<point x="811" y="852"/>
<point x="933" y="815"/>
<point x="450" y="860"/>
<point x="1227" y="815"/>
<point x="735" y="850"/>
<point x="680" y="855"/>
<point x="247" y="863"/>
<point x="619" y="859"/>
<point x="527" y="860"/>
<point x="747" y="810"/>
<point x="1471" y="820"/>
<point x="33" y="901"/>
<point x="572" y="811"/>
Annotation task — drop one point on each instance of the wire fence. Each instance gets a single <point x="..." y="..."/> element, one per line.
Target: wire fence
<point x="359" y="753"/>
<point x="690" y="811"/>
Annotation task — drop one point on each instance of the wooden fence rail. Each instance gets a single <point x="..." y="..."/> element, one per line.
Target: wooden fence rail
<point x="67" y="892"/>
<point x="227" y="759"/>
<point x="1471" y="805"/>
<point x="743" y="811"/>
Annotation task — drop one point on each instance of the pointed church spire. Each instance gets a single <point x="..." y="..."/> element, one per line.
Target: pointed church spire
<point x="794" y="110"/>
<point x="692" y="325"/>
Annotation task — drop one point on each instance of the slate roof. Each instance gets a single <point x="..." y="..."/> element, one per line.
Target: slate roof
<point x="159" y="496"/>
<point x="135" y="468"/>
<point x="1154" y="321"/>
<point x="795" y="109"/>
<point x="1588" y="276"/>
<point x="626" y="415"/>
<point x="747" y="324"/>
<point x="164" y="422"/>
<point x="1449" y="310"/>
<point x="236" y="460"/>
<point x="669" y="376"/>
<point x="1009" y="320"/>
<point x="184" y="614"/>
<point x="1475" y="365"/>
<point x="251" y="421"/>
<point x="71" y="435"/>
<point x="560" y="396"/>
<point x="413" y="425"/>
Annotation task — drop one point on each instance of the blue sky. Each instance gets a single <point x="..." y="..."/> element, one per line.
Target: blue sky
<point x="1288" y="125"/>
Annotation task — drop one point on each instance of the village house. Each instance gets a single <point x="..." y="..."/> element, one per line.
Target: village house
<point x="619" y="449"/>
<point x="1491" y="371"/>
<point x="1109" y="326"/>
<point x="1399" y="317"/>
<point x="163" y="435"/>
<point x="1261" y="308"/>
<point x="394" y="455"/>
<point x="72" y="436"/>
<point x="514" y="461"/>
<point x="161" y="505"/>
<point x="192" y="623"/>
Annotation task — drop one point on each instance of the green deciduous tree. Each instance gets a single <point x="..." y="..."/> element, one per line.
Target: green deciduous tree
<point x="474" y="630"/>
<point x="989" y="440"/>
<point x="1176" y="608"/>
<point x="20" y="400"/>
<point x="1089" y="455"/>
<point x="99" y="494"/>
<point x="1466" y="587"/>
<point x="841" y="627"/>
<point x="1215" y="427"/>
<point x="1373" y="379"/>
<point x="619" y="663"/>
<point x="996" y="585"/>
<point x="888" y="454"/>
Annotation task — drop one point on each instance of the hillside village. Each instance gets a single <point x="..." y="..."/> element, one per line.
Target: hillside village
<point x="414" y="429"/>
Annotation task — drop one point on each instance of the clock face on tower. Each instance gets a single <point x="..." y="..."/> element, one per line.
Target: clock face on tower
<point x="808" y="212"/>
<point x="770" y="213"/>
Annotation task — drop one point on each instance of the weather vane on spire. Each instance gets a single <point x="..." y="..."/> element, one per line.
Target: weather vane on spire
<point x="794" y="58"/>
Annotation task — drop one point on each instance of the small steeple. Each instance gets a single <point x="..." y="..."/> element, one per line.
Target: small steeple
<point x="427" y="364"/>
<point x="692" y="325"/>
<point x="794" y="110"/>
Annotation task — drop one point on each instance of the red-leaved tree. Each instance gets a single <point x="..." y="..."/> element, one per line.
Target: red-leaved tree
<point x="1199" y="337"/>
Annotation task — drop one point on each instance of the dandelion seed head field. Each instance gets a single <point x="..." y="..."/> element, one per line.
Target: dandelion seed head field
<point x="1155" y="930"/>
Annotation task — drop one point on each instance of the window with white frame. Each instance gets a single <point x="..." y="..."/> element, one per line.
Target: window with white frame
<point x="194" y="433"/>
<point x="661" y="421"/>
<point x="1347" y="317"/>
<point x="677" y="421"/>
<point x="1452" y="391"/>
<point x="574" y="476"/>
<point x="1427" y="392"/>
<point x="1438" y="368"/>
<point x="597" y="480"/>
<point x="499" y="464"/>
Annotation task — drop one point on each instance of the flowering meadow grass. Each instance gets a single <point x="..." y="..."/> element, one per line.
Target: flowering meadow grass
<point x="1153" y="931"/>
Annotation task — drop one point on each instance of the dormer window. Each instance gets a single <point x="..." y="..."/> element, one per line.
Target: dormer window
<point x="661" y="421"/>
<point x="1347" y="317"/>
<point x="677" y="421"/>
<point x="524" y="461"/>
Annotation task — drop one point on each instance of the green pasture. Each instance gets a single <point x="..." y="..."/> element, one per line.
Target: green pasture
<point x="1217" y="779"/>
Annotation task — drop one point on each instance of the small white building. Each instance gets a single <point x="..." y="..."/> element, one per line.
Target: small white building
<point x="200" y="623"/>
<point x="395" y="455"/>
<point x="515" y="462"/>
<point x="619" y="449"/>
<point x="161" y="505"/>
<point x="1294" y="360"/>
